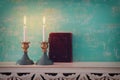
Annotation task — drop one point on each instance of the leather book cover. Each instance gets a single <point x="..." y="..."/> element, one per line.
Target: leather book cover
<point x="60" y="47"/>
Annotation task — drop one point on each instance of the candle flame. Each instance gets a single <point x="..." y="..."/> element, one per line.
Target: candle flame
<point x="43" y="19"/>
<point x="24" y="20"/>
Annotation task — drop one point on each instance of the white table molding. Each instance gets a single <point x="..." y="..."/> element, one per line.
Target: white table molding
<point x="61" y="71"/>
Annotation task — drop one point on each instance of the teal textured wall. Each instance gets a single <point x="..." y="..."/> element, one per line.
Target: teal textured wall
<point x="95" y="25"/>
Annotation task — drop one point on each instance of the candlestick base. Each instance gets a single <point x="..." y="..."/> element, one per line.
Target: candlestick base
<point x="44" y="60"/>
<point x="25" y="60"/>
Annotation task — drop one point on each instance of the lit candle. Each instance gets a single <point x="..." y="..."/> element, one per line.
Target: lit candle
<point x="24" y="30"/>
<point x="43" y="28"/>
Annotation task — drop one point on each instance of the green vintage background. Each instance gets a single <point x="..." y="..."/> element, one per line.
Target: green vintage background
<point x="95" y="25"/>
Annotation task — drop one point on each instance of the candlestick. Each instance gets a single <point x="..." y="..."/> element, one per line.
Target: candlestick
<point x="24" y="30"/>
<point x="25" y="60"/>
<point x="44" y="60"/>
<point x="43" y="28"/>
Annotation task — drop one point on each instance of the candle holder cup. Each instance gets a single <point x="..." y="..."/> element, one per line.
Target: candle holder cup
<point x="25" y="60"/>
<point x="44" y="60"/>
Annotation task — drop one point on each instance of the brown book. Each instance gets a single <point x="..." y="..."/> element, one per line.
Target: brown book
<point x="60" y="47"/>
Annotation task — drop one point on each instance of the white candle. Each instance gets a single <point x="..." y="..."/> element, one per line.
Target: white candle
<point x="43" y="28"/>
<point x="24" y="30"/>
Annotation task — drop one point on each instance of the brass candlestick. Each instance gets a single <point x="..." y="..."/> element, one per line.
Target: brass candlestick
<point x="25" y="60"/>
<point x="44" y="60"/>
